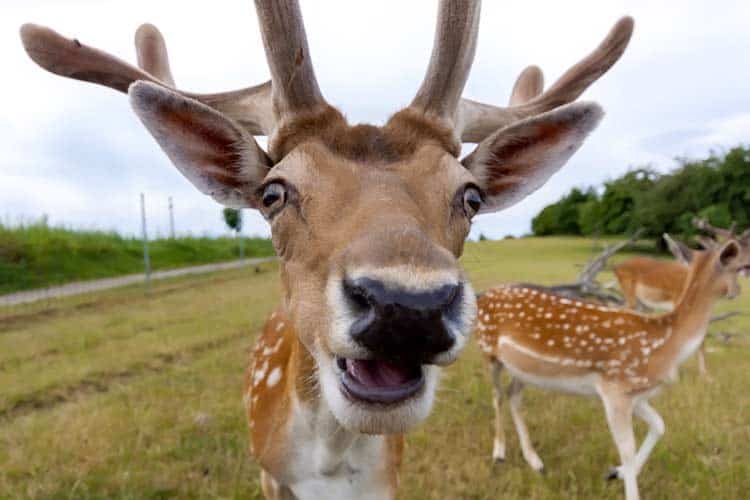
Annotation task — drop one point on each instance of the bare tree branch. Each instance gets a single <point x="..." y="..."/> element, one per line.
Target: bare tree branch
<point x="726" y="315"/>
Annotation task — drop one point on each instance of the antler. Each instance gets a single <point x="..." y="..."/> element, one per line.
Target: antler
<point x="529" y="84"/>
<point x="478" y="120"/>
<point x="450" y="62"/>
<point x="720" y="232"/>
<point x="151" y="50"/>
<point x="706" y="243"/>
<point x="251" y="107"/>
<point x="295" y="87"/>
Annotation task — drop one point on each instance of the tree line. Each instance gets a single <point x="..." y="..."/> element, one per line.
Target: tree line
<point x="716" y="188"/>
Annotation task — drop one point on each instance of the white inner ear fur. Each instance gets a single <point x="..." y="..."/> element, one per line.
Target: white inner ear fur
<point x="517" y="160"/>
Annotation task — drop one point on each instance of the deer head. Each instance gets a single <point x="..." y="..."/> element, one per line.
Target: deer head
<point x="368" y="222"/>
<point x="719" y="234"/>
<point x="719" y="279"/>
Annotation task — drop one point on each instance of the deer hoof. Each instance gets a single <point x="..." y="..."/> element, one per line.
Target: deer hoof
<point x="614" y="473"/>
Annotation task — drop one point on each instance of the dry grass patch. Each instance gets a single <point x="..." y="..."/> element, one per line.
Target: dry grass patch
<point x="164" y="419"/>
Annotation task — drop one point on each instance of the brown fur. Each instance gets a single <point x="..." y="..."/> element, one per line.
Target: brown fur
<point x="665" y="278"/>
<point x="399" y="139"/>
<point x="269" y="401"/>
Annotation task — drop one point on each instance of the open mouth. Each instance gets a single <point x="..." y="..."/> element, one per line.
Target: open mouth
<point x="376" y="381"/>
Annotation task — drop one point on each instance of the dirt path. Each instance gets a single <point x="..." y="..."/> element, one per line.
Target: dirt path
<point x="107" y="283"/>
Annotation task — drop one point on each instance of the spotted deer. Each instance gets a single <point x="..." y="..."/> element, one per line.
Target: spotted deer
<point x="368" y="223"/>
<point x="619" y="355"/>
<point x="657" y="283"/>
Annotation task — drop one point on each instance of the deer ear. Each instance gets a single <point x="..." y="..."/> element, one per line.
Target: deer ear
<point x="518" y="159"/>
<point x="729" y="252"/>
<point x="213" y="152"/>
<point x="681" y="251"/>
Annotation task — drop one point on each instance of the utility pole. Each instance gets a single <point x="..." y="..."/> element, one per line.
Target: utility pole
<point x="146" y="259"/>
<point x="239" y="233"/>
<point x="171" y="219"/>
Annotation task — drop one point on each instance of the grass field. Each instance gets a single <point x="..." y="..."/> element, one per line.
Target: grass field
<point x="131" y="395"/>
<point x="37" y="255"/>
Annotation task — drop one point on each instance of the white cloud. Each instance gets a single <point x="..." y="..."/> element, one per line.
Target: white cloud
<point x="75" y="151"/>
<point x="730" y="130"/>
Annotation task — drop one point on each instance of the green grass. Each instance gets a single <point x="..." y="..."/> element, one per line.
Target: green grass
<point x="37" y="255"/>
<point x="128" y="395"/>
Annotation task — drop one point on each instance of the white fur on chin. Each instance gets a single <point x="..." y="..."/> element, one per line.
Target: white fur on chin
<point x="375" y="419"/>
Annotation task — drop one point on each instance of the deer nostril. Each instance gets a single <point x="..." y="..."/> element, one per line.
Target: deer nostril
<point x="448" y="296"/>
<point x="398" y="323"/>
<point x="357" y="296"/>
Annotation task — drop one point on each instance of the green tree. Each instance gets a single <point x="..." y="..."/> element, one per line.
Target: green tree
<point x="233" y="219"/>
<point x="562" y="217"/>
<point x="620" y="198"/>
<point x="716" y="187"/>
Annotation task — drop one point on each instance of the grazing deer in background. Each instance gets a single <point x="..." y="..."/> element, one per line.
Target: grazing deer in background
<point x="657" y="284"/>
<point x="368" y="222"/>
<point x="619" y="355"/>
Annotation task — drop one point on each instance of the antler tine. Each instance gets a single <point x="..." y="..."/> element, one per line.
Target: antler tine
<point x="67" y="57"/>
<point x="295" y="87"/>
<point x="529" y="84"/>
<point x="72" y="59"/>
<point x="706" y="243"/>
<point x="451" y="59"/>
<point x="479" y="120"/>
<point x="704" y="225"/>
<point x="151" y="50"/>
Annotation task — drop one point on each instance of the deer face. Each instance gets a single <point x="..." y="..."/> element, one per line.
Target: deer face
<point x="732" y="261"/>
<point x="368" y="221"/>
<point x="370" y="267"/>
<point x="717" y="268"/>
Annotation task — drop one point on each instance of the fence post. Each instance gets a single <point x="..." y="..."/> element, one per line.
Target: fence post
<point x="171" y="219"/>
<point x="239" y="234"/>
<point x="146" y="259"/>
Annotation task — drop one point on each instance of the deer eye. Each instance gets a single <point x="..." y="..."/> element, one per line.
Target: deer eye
<point x="472" y="201"/>
<point x="273" y="198"/>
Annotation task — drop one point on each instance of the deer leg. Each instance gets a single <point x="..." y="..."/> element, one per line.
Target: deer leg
<point x="273" y="490"/>
<point x="702" y="369"/>
<point x="631" y="301"/>
<point x="514" y="396"/>
<point x="619" y="410"/>
<point x="498" y="447"/>
<point x="645" y="412"/>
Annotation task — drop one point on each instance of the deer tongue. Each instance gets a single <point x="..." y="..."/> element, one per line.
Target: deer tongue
<point x="373" y="373"/>
<point x="381" y="381"/>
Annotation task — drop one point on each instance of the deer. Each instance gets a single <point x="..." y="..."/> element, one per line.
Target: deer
<point x="619" y="355"/>
<point x="657" y="284"/>
<point x="368" y="223"/>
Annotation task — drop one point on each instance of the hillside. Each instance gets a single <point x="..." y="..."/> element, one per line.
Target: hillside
<point x="37" y="255"/>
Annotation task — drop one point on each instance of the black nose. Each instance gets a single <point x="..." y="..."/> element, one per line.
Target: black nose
<point x="399" y="325"/>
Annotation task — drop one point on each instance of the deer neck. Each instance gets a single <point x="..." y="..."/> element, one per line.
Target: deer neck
<point x="330" y="441"/>
<point x="690" y="317"/>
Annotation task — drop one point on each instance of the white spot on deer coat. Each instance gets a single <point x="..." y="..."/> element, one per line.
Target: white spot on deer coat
<point x="274" y="377"/>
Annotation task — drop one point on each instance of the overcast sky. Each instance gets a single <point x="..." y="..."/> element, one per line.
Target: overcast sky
<point x="76" y="152"/>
